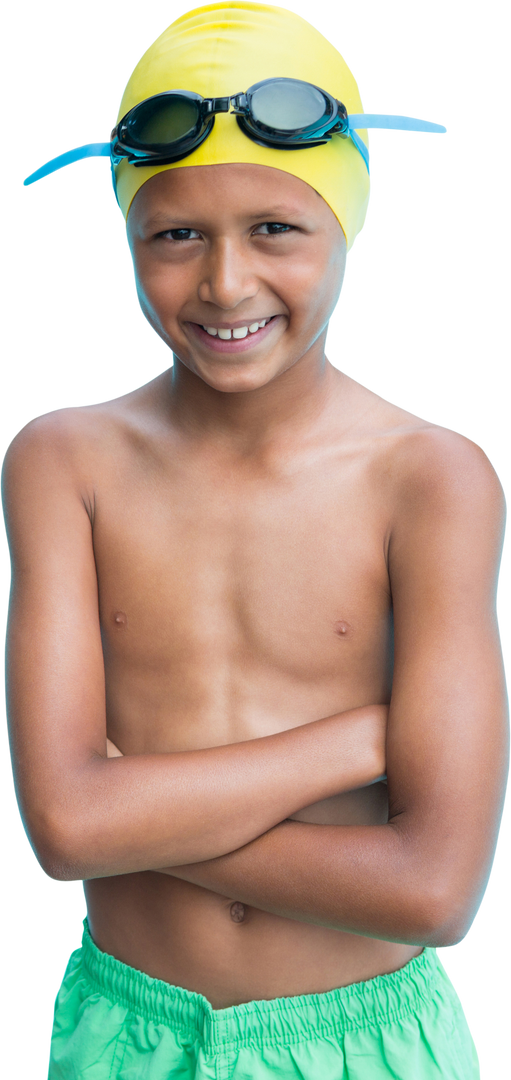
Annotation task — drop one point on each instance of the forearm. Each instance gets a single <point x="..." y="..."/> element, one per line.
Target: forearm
<point x="140" y="812"/>
<point x="366" y="880"/>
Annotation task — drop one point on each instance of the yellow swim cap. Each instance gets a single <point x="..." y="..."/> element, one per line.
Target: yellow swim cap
<point x="221" y="50"/>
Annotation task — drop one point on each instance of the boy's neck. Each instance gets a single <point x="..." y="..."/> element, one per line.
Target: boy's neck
<point x="283" y="409"/>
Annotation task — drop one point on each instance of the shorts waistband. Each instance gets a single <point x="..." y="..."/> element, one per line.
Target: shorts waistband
<point x="276" y="1022"/>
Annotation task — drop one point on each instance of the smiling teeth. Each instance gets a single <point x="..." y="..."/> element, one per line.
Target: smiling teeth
<point x="238" y="332"/>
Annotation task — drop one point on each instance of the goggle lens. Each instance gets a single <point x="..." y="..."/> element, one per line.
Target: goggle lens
<point x="163" y="122"/>
<point x="287" y="106"/>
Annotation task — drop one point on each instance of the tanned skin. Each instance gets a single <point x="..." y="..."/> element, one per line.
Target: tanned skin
<point x="268" y="587"/>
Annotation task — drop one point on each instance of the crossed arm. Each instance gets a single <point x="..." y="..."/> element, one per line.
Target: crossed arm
<point x="217" y="817"/>
<point x="421" y="877"/>
<point x="358" y="878"/>
<point x="297" y="871"/>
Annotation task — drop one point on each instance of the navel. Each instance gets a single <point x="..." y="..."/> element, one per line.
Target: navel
<point x="342" y="628"/>
<point x="120" y="619"/>
<point x="237" y="911"/>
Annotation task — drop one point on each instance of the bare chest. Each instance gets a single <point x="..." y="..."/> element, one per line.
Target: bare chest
<point x="235" y="599"/>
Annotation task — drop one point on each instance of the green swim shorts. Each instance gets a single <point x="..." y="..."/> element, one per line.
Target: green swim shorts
<point x="115" y="1023"/>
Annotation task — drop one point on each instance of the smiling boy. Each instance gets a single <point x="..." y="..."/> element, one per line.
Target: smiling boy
<point x="272" y="591"/>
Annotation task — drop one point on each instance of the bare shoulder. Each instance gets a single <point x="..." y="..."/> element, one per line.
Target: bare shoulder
<point x="444" y="513"/>
<point x="433" y="490"/>
<point x="413" y="450"/>
<point x="47" y="462"/>
<point x="419" y="466"/>
<point x="75" y="441"/>
<point x="53" y="433"/>
<point x="436" y="469"/>
<point x="75" y="428"/>
<point x="40" y="456"/>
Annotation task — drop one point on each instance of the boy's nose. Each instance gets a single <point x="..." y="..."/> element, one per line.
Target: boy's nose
<point x="228" y="277"/>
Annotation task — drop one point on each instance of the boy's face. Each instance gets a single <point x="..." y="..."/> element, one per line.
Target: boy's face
<point x="229" y="246"/>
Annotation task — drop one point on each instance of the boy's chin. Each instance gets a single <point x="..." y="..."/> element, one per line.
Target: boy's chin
<point x="237" y="379"/>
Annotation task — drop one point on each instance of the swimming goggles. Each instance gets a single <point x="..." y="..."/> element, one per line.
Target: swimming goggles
<point x="286" y="114"/>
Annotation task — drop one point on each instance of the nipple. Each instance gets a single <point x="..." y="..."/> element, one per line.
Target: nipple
<point x="342" y="628"/>
<point x="237" y="911"/>
<point x="120" y="618"/>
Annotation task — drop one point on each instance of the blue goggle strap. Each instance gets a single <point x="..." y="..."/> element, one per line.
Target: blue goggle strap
<point x="357" y="120"/>
<point x="389" y="123"/>
<point x="98" y="149"/>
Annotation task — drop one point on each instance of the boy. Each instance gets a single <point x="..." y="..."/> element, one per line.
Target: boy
<point x="205" y="568"/>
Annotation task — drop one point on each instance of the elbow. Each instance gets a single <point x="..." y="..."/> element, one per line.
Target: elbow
<point x="441" y="934"/>
<point x="57" y="849"/>
<point x="58" y="865"/>
<point x="442" y="918"/>
<point x="437" y="900"/>
<point x="451" y="930"/>
<point x="59" y="870"/>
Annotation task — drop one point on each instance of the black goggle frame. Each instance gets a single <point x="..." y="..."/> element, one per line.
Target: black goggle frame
<point x="124" y="142"/>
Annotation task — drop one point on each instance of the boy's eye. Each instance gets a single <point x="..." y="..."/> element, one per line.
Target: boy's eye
<point x="182" y="234"/>
<point x="273" y="227"/>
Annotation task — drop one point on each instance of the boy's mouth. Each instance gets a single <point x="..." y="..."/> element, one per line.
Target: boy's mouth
<point x="238" y="332"/>
<point x="222" y="338"/>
